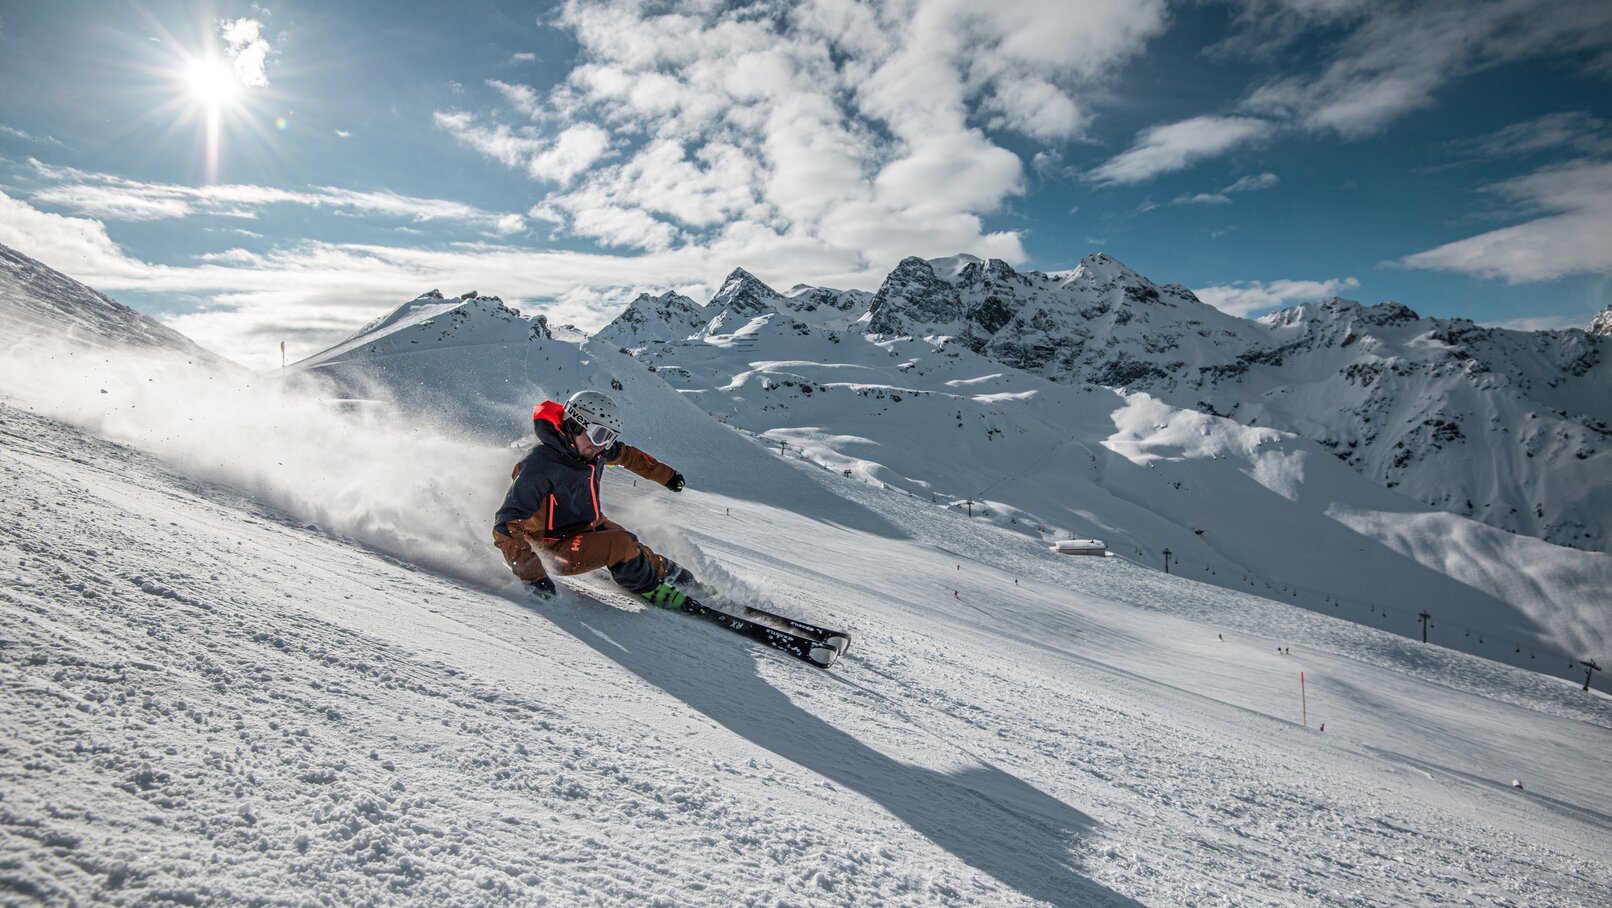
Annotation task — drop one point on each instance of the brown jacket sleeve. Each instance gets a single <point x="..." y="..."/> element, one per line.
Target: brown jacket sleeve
<point x="517" y="547"/>
<point x="642" y="464"/>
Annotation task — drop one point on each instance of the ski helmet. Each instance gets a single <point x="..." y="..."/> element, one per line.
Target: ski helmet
<point x="594" y="408"/>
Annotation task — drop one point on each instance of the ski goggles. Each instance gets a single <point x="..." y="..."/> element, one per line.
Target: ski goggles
<point x="600" y="435"/>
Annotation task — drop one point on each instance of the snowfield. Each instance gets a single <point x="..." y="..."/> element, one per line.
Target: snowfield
<point x="211" y="701"/>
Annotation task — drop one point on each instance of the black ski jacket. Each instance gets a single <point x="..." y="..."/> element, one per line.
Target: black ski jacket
<point x="555" y="492"/>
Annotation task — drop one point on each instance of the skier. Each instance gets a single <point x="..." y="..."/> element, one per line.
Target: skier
<point x="553" y="509"/>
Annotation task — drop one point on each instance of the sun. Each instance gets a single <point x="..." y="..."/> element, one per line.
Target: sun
<point x="211" y="86"/>
<point x="212" y="83"/>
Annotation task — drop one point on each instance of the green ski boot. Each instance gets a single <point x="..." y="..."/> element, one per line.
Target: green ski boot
<point x="665" y="596"/>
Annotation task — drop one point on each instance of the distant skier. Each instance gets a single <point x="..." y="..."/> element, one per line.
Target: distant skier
<point x="553" y="504"/>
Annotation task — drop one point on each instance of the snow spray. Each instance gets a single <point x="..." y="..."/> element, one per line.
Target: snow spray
<point x="365" y="470"/>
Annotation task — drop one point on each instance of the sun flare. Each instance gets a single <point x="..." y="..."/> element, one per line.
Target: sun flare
<point x="211" y="82"/>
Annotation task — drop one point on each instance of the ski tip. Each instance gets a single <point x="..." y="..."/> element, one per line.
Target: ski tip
<point x="825" y="654"/>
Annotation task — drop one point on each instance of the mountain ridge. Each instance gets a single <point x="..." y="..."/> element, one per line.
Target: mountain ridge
<point x="1509" y="428"/>
<point x="38" y="300"/>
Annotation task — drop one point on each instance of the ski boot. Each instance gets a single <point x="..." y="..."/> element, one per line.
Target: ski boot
<point x="666" y="596"/>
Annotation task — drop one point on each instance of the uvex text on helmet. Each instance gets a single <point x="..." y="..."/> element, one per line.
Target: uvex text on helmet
<point x="593" y="408"/>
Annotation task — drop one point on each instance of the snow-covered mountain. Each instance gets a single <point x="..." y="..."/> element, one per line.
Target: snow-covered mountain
<point x="933" y="419"/>
<point x="39" y="303"/>
<point x="255" y="648"/>
<point x="1509" y="428"/>
<point x="434" y="355"/>
<point x="670" y="316"/>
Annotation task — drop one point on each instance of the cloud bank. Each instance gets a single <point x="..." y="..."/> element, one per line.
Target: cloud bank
<point x="1245" y="298"/>
<point x="1574" y="204"/>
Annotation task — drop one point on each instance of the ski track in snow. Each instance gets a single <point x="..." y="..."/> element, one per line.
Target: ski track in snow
<point x="209" y="702"/>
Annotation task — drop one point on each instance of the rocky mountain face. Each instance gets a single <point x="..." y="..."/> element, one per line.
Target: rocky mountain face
<point x="1506" y="427"/>
<point x="37" y="301"/>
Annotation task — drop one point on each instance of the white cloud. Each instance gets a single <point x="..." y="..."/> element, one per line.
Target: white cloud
<point x="1541" y="322"/>
<point x="523" y="57"/>
<point x="114" y="198"/>
<point x="26" y="137"/>
<point x="523" y="98"/>
<point x="557" y="160"/>
<point x="1253" y="183"/>
<point x="1381" y="61"/>
<point x="248" y="51"/>
<point x="1245" y="298"/>
<point x="76" y="246"/>
<point x="1036" y="108"/>
<point x="592" y="212"/>
<point x="344" y="134"/>
<point x="115" y="204"/>
<point x="1175" y="146"/>
<point x="1578" y="131"/>
<point x="498" y="142"/>
<point x="574" y="151"/>
<point x="1397" y="56"/>
<point x="817" y="122"/>
<point x="1570" y="237"/>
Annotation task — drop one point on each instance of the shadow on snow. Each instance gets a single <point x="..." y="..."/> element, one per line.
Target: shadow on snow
<point x="988" y="819"/>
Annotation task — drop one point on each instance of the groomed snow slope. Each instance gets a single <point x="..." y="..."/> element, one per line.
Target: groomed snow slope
<point x="210" y="699"/>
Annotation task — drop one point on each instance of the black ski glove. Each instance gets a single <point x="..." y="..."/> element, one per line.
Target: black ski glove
<point x="542" y="589"/>
<point x="676" y="483"/>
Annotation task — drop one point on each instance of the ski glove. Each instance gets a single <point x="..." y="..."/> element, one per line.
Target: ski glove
<point x="541" y="589"/>
<point x="676" y="483"/>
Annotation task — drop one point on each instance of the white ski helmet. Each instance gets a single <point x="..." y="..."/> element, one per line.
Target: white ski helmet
<point x="594" y="408"/>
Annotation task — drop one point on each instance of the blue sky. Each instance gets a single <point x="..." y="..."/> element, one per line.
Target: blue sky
<point x="259" y="172"/>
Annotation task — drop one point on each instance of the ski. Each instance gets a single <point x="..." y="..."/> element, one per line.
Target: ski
<point x="817" y="649"/>
<point x="822" y="634"/>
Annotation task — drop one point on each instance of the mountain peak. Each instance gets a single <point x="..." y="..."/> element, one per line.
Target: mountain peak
<point x="745" y="294"/>
<point x="433" y="320"/>
<point x="913" y="296"/>
<point x="1102" y="268"/>
<point x="1601" y="325"/>
<point x="1390" y="313"/>
<point x="670" y="316"/>
<point x="952" y="266"/>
